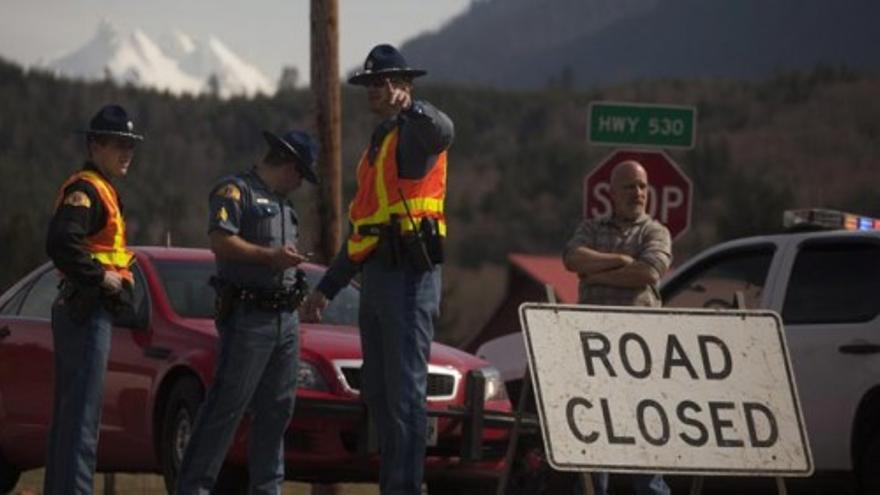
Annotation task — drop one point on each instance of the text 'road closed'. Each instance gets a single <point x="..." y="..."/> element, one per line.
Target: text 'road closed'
<point x="664" y="390"/>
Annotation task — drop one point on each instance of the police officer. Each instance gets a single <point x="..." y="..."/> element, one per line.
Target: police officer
<point x="397" y="229"/>
<point x="253" y="231"/>
<point x="86" y="242"/>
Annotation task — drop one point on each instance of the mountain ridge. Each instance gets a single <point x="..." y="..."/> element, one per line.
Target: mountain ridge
<point x="524" y="44"/>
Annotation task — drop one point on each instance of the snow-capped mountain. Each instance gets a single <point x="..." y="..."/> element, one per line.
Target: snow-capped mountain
<point x="179" y="64"/>
<point x="233" y="75"/>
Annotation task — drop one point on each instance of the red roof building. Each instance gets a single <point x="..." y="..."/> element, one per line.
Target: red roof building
<point x="529" y="274"/>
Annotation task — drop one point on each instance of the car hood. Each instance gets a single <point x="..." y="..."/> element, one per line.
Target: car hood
<point x="343" y="342"/>
<point x="334" y="342"/>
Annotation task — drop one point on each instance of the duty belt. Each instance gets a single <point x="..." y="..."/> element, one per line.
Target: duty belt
<point x="383" y="229"/>
<point x="273" y="300"/>
<point x="374" y="229"/>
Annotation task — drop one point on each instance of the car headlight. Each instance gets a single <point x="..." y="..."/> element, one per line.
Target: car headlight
<point x="495" y="389"/>
<point x="308" y="377"/>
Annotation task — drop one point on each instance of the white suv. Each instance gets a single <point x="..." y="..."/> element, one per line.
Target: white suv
<point x="826" y="287"/>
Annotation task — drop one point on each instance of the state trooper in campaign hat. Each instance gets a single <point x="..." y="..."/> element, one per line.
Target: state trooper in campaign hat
<point x="384" y="61"/>
<point x="254" y="230"/>
<point x="86" y="241"/>
<point x="398" y="227"/>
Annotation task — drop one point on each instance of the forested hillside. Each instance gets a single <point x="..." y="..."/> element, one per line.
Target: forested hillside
<point x="515" y="169"/>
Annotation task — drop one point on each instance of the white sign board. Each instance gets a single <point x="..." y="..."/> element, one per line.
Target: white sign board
<point x="665" y="390"/>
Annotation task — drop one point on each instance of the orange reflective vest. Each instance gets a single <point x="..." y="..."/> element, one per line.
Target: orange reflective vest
<point x="381" y="193"/>
<point x="107" y="246"/>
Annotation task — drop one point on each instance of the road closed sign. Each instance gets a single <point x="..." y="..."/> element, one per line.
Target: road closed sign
<point x="665" y="390"/>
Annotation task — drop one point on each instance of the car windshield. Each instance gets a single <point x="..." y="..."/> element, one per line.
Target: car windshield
<point x="187" y="285"/>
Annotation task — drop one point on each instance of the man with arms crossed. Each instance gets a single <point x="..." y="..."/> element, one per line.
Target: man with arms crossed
<point x="620" y="260"/>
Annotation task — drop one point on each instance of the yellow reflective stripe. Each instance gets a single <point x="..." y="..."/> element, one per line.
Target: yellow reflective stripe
<point x="432" y="205"/>
<point x="417" y="206"/>
<point x="365" y="243"/>
<point x="382" y="194"/>
<point x="120" y="259"/>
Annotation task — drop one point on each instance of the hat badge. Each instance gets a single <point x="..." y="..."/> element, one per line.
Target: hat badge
<point x="369" y="64"/>
<point x="130" y="125"/>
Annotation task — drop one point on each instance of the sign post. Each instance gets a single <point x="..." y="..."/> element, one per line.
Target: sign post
<point x="665" y="390"/>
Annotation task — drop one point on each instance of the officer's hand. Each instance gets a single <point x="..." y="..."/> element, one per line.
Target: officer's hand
<point x="286" y="257"/>
<point x="313" y="307"/>
<point x="626" y="259"/>
<point x="398" y="98"/>
<point x="112" y="282"/>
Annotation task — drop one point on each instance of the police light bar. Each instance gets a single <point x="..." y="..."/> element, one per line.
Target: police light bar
<point x="823" y="219"/>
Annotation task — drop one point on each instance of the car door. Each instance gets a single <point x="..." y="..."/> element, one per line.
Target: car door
<point x="126" y="418"/>
<point x="830" y="310"/>
<point x="26" y="370"/>
<point x="715" y="280"/>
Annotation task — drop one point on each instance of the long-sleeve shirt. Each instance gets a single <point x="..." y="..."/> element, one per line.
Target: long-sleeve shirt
<point x="72" y="222"/>
<point x="425" y="132"/>
<point x="645" y="240"/>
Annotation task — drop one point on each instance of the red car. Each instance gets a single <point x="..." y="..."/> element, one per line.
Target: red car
<point x="162" y="360"/>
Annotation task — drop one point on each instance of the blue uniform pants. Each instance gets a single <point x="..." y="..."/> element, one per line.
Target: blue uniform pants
<point x="256" y="372"/>
<point x="396" y="317"/>
<point x="81" y="353"/>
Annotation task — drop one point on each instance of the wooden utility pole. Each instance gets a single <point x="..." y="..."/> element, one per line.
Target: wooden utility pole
<point x="325" y="87"/>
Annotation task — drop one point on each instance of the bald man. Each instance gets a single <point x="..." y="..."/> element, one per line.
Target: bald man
<point x="619" y="260"/>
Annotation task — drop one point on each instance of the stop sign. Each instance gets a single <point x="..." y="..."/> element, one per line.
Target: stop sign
<point x="669" y="189"/>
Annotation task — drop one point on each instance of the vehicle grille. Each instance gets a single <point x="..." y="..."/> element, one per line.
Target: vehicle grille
<point x="442" y="382"/>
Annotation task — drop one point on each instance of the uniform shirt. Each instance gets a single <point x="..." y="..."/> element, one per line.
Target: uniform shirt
<point x="71" y="224"/>
<point x="645" y="240"/>
<point x="243" y="205"/>
<point x="425" y="132"/>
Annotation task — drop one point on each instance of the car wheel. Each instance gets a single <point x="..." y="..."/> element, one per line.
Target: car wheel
<point x="177" y="423"/>
<point x="9" y="475"/>
<point x="867" y="472"/>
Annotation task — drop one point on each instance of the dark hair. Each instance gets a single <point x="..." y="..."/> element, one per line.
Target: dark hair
<point x="277" y="157"/>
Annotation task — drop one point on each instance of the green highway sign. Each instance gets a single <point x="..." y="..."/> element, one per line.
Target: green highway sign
<point x="639" y="124"/>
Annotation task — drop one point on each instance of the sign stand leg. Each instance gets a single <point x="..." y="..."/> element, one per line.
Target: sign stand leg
<point x="696" y="485"/>
<point x="514" y="432"/>
<point x="585" y="478"/>
<point x="780" y="486"/>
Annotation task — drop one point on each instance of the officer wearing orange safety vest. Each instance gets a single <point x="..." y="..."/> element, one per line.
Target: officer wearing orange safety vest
<point x="397" y="231"/>
<point x="86" y="242"/>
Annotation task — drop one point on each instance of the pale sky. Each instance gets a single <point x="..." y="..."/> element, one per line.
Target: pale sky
<point x="267" y="33"/>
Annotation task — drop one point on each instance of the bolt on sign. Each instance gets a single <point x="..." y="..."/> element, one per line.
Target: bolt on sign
<point x="641" y="124"/>
<point x="665" y="390"/>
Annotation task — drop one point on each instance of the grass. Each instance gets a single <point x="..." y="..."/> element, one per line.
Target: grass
<point x="31" y="483"/>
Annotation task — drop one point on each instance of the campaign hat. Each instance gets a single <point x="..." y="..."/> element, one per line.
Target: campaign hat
<point x="301" y="146"/>
<point x="384" y="61"/>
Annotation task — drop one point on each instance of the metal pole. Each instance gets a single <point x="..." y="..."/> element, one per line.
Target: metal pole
<point x="325" y="87"/>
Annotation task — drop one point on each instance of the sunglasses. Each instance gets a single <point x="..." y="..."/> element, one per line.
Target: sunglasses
<point x="382" y="81"/>
<point x="120" y="143"/>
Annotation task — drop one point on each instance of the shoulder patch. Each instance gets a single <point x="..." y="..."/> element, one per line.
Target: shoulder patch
<point x="78" y="198"/>
<point x="230" y="191"/>
<point x="222" y="215"/>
